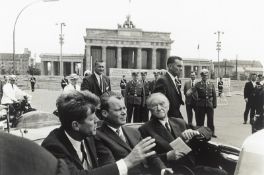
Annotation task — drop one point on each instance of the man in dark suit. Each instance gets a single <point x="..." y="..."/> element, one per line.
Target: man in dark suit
<point x="74" y="140"/>
<point x="249" y="94"/>
<point x="170" y="86"/>
<point x="165" y="130"/>
<point x="116" y="140"/>
<point x="97" y="83"/>
<point x="189" y="99"/>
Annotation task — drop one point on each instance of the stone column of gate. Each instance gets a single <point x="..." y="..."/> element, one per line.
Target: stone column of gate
<point x="119" y="57"/>
<point x="154" y="59"/>
<point x="139" y="60"/>
<point x="43" y="68"/>
<point x="72" y="68"/>
<point x="104" y="57"/>
<point x="88" y="58"/>
<point x="52" y="68"/>
<point x="167" y="55"/>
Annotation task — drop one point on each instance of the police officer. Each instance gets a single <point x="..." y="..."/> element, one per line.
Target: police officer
<point x="134" y="94"/>
<point x="206" y="101"/>
<point x="146" y="92"/>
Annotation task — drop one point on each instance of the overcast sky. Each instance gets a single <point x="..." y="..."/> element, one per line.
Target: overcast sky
<point x="191" y="22"/>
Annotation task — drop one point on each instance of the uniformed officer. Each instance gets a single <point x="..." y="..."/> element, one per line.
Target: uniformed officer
<point x="153" y="82"/>
<point x="134" y="94"/>
<point x="146" y="92"/>
<point x="206" y="101"/>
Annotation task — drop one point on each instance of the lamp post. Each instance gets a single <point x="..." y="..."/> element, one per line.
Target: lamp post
<point x="14" y="29"/>
<point x="61" y="38"/>
<point x="218" y="48"/>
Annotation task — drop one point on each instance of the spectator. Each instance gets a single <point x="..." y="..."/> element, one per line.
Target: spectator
<point x="64" y="82"/>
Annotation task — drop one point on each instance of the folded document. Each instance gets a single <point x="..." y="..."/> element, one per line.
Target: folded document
<point x="179" y="146"/>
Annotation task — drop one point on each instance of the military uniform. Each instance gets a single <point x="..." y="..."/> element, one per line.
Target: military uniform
<point x="134" y="94"/>
<point x="144" y="109"/>
<point x="205" y="103"/>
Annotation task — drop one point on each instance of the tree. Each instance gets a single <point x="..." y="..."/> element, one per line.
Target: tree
<point x="33" y="70"/>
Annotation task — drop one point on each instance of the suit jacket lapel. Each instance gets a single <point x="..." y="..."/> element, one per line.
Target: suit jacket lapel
<point x="172" y="83"/>
<point x="115" y="137"/>
<point x="96" y="81"/>
<point x="163" y="132"/>
<point x="90" y="146"/>
<point x="131" y="140"/>
<point x="70" y="148"/>
<point x="175" y="128"/>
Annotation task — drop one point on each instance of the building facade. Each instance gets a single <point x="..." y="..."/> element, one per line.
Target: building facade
<point x="21" y="63"/>
<point x="127" y="47"/>
<point x="50" y="64"/>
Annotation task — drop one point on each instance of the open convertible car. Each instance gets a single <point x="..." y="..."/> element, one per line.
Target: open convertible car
<point x="36" y="125"/>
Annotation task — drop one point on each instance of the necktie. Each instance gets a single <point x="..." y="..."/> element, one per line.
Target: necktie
<point x="119" y="133"/>
<point x="192" y="83"/>
<point x="85" y="162"/>
<point x="177" y="84"/>
<point x="74" y="86"/>
<point x="101" y="84"/>
<point x="167" y="127"/>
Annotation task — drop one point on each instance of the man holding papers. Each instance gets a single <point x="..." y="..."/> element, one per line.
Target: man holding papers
<point x="171" y="135"/>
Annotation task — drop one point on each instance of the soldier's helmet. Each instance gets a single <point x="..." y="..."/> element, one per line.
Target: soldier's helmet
<point x="204" y="72"/>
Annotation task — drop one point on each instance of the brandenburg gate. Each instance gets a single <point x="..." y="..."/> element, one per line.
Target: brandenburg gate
<point x="127" y="47"/>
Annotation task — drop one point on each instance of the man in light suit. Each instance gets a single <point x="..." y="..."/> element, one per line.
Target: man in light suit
<point x="74" y="140"/>
<point x="97" y="83"/>
<point x="189" y="99"/>
<point x="165" y="130"/>
<point x="115" y="140"/>
<point x="170" y="86"/>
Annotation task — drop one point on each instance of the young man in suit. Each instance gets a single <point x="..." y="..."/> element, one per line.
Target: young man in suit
<point x="249" y="94"/>
<point x="189" y="99"/>
<point x="165" y="130"/>
<point x="74" y="140"/>
<point x="170" y="86"/>
<point x="97" y="83"/>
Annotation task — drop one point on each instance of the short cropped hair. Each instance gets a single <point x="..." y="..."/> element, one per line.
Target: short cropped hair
<point x="155" y="96"/>
<point x="172" y="59"/>
<point x="74" y="105"/>
<point x="97" y="62"/>
<point x="105" y="99"/>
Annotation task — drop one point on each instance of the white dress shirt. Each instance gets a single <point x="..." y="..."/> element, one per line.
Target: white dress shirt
<point x="98" y="80"/>
<point x="121" y="165"/>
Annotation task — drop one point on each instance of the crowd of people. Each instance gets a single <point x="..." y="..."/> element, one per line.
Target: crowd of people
<point x="94" y="137"/>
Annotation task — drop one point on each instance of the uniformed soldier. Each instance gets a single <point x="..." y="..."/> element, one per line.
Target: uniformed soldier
<point x="153" y="82"/>
<point x="206" y="101"/>
<point x="134" y="94"/>
<point x="123" y="83"/>
<point x="146" y="92"/>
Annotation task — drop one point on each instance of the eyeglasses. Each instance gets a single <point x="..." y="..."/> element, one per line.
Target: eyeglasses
<point x="155" y="106"/>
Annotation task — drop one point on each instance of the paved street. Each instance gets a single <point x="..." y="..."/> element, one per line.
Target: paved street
<point x="228" y="118"/>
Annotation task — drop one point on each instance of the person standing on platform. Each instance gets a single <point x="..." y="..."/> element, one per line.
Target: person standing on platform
<point x="220" y="86"/>
<point x="64" y="82"/>
<point x="134" y="94"/>
<point x="123" y="83"/>
<point x="170" y="85"/>
<point x="97" y="83"/>
<point x="153" y="82"/>
<point x="32" y="82"/>
<point x="190" y="99"/>
<point x="73" y="83"/>
<point x="206" y="101"/>
<point x="146" y="92"/>
<point x="249" y="94"/>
